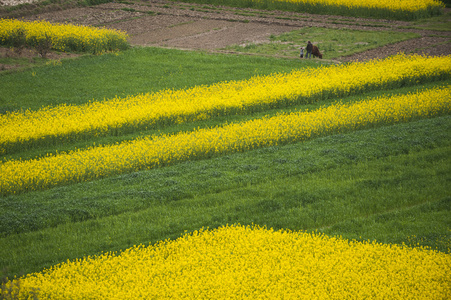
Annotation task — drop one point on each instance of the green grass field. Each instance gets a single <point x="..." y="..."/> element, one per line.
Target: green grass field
<point x="138" y="70"/>
<point x="389" y="183"/>
<point x="332" y="43"/>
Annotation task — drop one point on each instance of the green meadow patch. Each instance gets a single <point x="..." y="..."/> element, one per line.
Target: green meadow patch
<point x="441" y="23"/>
<point x="130" y="72"/>
<point x="358" y="185"/>
<point x="332" y="43"/>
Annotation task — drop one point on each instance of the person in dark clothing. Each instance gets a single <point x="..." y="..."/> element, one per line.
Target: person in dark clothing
<point x="309" y="49"/>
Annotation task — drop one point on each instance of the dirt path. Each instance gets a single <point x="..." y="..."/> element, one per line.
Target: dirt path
<point x="189" y="26"/>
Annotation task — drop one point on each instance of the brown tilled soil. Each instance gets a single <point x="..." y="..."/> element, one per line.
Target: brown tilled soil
<point x="164" y="23"/>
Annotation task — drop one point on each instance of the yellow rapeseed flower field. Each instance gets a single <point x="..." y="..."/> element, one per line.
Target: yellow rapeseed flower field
<point x="248" y="262"/>
<point x="382" y="9"/>
<point x="96" y="162"/>
<point x="66" y="122"/>
<point x="404" y="5"/>
<point x="62" y="37"/>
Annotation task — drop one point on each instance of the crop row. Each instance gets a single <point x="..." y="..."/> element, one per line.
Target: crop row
<point x="68" y="123"/>
<point x="96" y="162"/>
<point x="247" y="262"/>
<point x="61" y="37"/>
<point x="384" y="9"/>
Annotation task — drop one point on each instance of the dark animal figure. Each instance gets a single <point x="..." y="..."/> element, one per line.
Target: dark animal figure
<point x="316" y="53"/>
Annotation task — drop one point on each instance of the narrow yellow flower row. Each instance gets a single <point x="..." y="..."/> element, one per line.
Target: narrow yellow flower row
<point x="17" y="176"/>
<point x="63" y="37"/>
<point x="405" y="5"/>
<point x="66" y="122"/>
<point x="248" y="262"/>
<point x="383" y="9"/>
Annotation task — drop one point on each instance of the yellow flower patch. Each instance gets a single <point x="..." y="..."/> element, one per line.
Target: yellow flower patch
<point x="249" y="262"/>
<point x="67" y="122"/>
<point x="405" y="5"/>
<point x="18" y="176"/>
<point x="62" y="37"/>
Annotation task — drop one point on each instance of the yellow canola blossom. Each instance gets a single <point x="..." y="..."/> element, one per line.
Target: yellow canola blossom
<point x="66" y="122"/>
<point x="381" y="9"/>
<point x="17" y="176"/>
<point x="63" y="37"/>
<point x="404" y="5"/>
<point x="249" y="262"/>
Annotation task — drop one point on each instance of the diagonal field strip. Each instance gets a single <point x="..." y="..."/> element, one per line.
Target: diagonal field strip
<point x="146" y="153"/>
<point x="68" y="123"/>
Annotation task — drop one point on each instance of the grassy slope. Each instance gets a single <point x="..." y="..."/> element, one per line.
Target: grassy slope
<point x="332" y="43"/>
<point x="388" y="183"/>
<point x="38" y="210"/>
<point x="441" y="23"/>
<point x="138" y="70"/>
